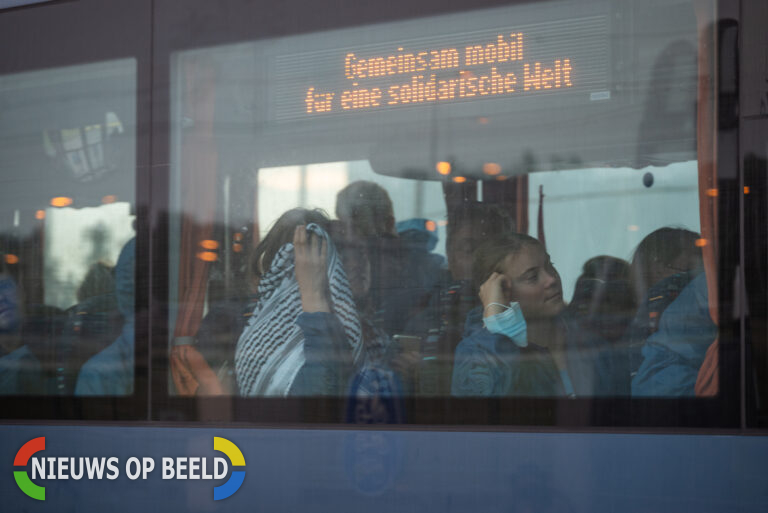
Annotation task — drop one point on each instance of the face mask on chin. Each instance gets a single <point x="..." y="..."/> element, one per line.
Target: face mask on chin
<point x="509" y="323"/>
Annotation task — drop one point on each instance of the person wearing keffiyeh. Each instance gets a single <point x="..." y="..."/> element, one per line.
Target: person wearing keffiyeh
<point x="271" y="350"/>
<point x="374" y="384"/>
<point x="306" y="335"/>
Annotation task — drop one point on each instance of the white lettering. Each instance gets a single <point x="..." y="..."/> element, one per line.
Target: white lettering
<point x="112" y="466"/>
<point x="133" y="462"/>
<point x="168" y="471"/>
<point x="194" y="466"/>
<point x="206" y="475"/>
<point x="224" y="468"/>
<point x="94" y="466"/>
<point x="77" y="475"/>
<point x="38" y="468"/>
<point x="147" y="466"/>
<point x="63" y="467"/>
<point x="181" y="466"/>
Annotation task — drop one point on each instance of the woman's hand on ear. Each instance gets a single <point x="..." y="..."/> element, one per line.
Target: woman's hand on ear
<point x="492" y="291"/>
<point x="311" y="257"/>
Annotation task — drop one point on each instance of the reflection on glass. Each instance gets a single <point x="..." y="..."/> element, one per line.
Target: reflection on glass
<point x="67" y="150"/>
<point x="459" y="207"/>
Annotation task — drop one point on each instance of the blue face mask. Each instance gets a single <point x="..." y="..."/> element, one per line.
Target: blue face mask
<point x="509" y="323"/>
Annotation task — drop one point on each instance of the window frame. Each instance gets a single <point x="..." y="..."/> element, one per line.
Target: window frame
<point x="65" y="23"/>
<point x="160" y="28"/>
<point x="225" y="25"/>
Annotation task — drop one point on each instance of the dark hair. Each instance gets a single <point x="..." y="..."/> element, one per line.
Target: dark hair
<point x="661" y="248"/>
<point x="489" y="255"/>
<point x="281" y="233"/>
<point x="603" y="296"/>
<point x="606" y="268"/>
<point x="366" y="206"/>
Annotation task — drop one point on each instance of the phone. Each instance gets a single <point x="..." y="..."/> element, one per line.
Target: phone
<point x="407" y="343"/>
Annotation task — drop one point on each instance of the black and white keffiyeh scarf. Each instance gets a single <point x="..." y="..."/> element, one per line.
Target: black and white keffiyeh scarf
<point x="270" y="351"/>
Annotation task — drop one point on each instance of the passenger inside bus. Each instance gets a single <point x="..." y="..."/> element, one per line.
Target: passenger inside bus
<point x="20" y="368"/>
<point x="261" y="348"/>
<point x="90" y="326"/>
<point x="603" y="297"/>
<point x="403" y="270"/>
<point x="308" y="334"/>
<point x="386" y="368"/>
<point x="10" y="315"/>
<point x="522" y="341"/>
<point x="365" y="210"/>
<point x="453" y="296"/>
<point x="419" y="239"/>
<point x="469" y="225"/>
<point x="664" y="253"/>
<point x="674" y="354"/>
<point x="110" y="372"/>
<point x="663" y="264"/>
<point x="28" y="334"/>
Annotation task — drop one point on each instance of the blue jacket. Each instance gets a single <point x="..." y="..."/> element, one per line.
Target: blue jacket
<point x="488" y="364"/>
<point x="646" y="320"/>
<point x="110" y="372"/>
<point x="673" y="355"/>
<point x="327" y="366"/>
<point x="21" y="373"/>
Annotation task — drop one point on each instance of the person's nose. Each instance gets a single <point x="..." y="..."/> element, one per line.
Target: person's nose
<point x="550" y="278"/>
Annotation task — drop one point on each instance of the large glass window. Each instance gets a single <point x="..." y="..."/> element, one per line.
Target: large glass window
<point x="67" y="154"/>
<point x="509" y="202"/>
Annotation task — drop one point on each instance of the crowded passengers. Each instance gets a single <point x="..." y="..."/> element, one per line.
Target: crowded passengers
<point x="363" y="305"/>
<point x="338" y="298"/>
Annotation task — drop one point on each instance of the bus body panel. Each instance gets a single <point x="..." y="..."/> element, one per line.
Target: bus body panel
<point x="393" y="470"/>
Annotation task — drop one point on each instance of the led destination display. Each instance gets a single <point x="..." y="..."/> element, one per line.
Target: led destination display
<point x="424" y="86"/>
<point x="503" y="62"/>
<point x="562" y="81"/>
